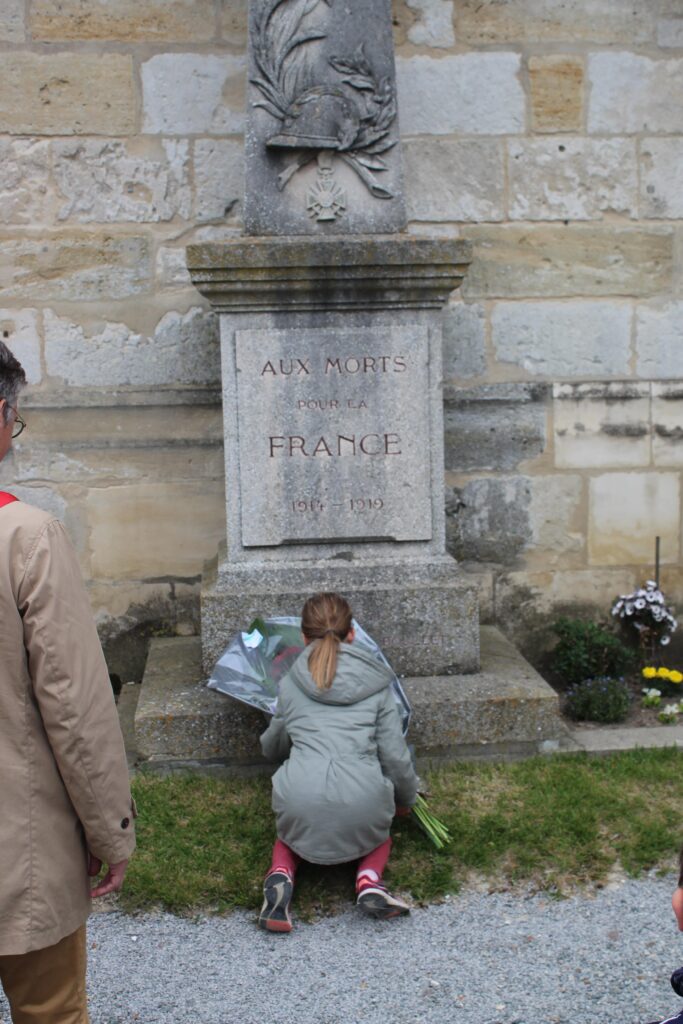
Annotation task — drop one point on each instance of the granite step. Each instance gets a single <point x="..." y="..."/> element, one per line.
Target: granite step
<point x="505" y="710"/>
<point x="126" y="705"/>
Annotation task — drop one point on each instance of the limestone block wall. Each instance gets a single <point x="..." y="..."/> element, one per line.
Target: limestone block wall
<point x="549" y="134"/>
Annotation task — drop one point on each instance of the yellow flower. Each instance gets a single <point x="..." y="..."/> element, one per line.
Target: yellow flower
<point x="663" y="673"/>
<point x="675" y="676"/>
<point x="649" y="672"/>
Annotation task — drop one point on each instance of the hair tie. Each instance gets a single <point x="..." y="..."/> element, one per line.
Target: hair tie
<point x="332" y="631"/>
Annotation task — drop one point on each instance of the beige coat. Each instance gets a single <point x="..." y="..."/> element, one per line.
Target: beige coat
<point x="63" y="777"/>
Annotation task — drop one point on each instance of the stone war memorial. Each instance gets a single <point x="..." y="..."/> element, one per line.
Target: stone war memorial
<point x="331" y="358"/>
<point x="184" y="198"/>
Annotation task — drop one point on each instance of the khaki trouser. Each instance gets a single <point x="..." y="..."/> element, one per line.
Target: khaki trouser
<point x="47" y="986"/>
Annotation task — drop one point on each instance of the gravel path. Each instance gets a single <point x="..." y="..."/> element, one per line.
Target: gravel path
<point x="476" y="959"/>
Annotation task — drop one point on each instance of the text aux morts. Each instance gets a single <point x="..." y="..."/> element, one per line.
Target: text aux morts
<point x="339" y="444"/>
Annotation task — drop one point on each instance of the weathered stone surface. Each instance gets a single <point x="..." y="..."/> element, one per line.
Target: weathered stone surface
<point x="154" y="21"/>
<point x="537" y="521"/>
<point x="435" y="604"/>
<point x="67" y="94"/>
<point x="297" y="275"/>
<point x="661" y="188"/>
<point x="476" y="93"/>
<point x="171" y="267"/>
<point x="218" y="177"/>
<point x="129" y="611"/>
<point x="120" y="605"/>
<point x="12" y="21"/>
<point x="19" y="331"/>
<point x="71" y="429"/>
<point x="506" y="707"/>
<point x="598" y="21"/>
<point x="464" y="343"/>
<point x="154" y="529"/>
<point x="667" y="423"/>
<point x="633" y="93"/>
<point x="79" y="266"/>
<point x="232" y="21"/>
<point x="667" y="417"/>
<point x="493" y="427"/>
<point x="659" y="340"/>
<point x="211" y="98"/>
<point x="556" y="86"/>
<point x="527" y="601"/>
<point x="491" y="523"/>
<point x="678" y="261"/>
<point x="483" y="578"/>
<point x="333" y="430"/>
<point x="454" y="179"/>
<point x="670" y="32"/>
<point x="572" y="178"/>
<point x="321" y="132"/>
<point x="511" y="261"/>
<point x="598" y="426"/>
<point x="435" y="23"/>
<point x="179" y="718"/>
<point x="627" y="511"/>
<point x="572" y="339"/>
<point x="24" y="181"/>
<point x="110" y="181"/>
<point x="556" y="520"/>
<point x="183" y="350"/>
<point x="94" y="463"/>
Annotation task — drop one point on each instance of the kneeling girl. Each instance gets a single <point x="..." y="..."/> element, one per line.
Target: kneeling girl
<point x="347" y="771"/>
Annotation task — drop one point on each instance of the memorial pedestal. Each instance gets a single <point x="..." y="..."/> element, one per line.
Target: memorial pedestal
<point x="332" y="405"/>
<point x="333" y="424"/>
<point x="421" y="612"/>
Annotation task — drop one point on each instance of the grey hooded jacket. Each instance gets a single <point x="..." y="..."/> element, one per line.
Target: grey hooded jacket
<point x="347" y="761"/>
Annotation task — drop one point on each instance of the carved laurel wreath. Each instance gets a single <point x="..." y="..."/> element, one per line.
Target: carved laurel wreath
<point x="285" y="81"/>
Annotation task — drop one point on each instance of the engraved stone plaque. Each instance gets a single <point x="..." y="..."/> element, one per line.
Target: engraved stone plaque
<point x="334" y="435"/>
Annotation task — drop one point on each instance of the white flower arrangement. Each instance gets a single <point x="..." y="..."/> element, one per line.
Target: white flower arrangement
<point x="647" y="611"/>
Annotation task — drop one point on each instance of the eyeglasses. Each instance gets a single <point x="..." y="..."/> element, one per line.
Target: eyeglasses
<point x="19" y="424"/>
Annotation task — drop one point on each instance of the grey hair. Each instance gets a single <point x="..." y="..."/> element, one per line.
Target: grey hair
<point x="12" y="379"/>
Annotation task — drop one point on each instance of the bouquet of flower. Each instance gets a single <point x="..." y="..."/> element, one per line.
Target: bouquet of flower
<point x="430" y="824"/>
<point x="251" y="666"/>
<point x="647" y="612"/>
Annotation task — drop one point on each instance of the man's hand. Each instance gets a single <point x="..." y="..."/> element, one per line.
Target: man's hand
<point x="112" y="881"/>
<point x="402" y="812"/>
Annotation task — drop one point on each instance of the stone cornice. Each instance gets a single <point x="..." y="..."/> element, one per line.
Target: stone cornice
<point x="265" y="274"/>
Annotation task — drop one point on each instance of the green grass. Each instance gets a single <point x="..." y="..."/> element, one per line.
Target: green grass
<point x="552" y="822"/>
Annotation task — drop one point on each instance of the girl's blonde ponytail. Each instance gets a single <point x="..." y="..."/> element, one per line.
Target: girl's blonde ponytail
<point x="326" y="620"/>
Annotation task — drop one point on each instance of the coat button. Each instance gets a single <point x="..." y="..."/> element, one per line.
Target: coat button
<point x="125" y="823"/>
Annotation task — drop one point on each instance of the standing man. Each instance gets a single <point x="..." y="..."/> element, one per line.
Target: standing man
<point x="65" y="803"/>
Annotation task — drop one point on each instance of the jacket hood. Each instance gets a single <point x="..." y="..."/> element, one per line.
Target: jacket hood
<point x="359" y="675"/>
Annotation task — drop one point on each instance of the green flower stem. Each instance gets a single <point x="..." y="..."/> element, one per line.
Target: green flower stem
<point x="434" y="829"/>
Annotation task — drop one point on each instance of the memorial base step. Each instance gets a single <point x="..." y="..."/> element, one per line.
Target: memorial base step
<point x="436" y="605"/>
<point x="504" y="710"/>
